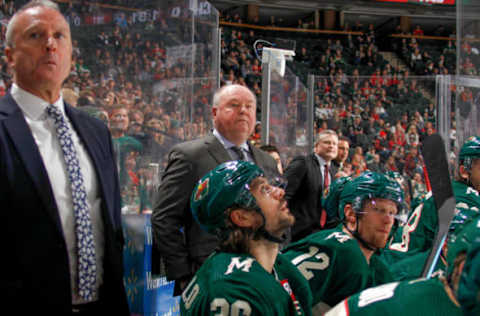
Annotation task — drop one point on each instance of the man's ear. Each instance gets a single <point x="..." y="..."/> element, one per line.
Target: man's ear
<point x="243" y="218"/>
<point x="350" y="217"/>
<point x="462" y="171"/>
<point x="8" y="54"/>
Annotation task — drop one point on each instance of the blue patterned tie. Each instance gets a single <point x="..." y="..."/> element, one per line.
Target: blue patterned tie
<point x="87" y="268"/>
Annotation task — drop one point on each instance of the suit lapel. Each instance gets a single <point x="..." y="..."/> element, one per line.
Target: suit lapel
<point x="93" y="145"/>
<point x="24" y="142"/>
<point x="257" y="158"/>
<point x="316" y="173"/>
<point x="216" y="149"/>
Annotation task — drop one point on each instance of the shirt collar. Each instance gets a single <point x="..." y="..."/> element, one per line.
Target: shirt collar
<point x="321" y="161"/>
<point x="32" y="106"/>
<point x="226" y="143"/>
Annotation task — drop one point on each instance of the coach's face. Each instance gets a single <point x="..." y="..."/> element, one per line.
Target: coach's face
<point x="41" y="51"/>
<point x="327" y="147"/>
<point x="235" y="115"/>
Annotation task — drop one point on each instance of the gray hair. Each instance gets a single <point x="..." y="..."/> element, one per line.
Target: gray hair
<point x="31" y="4"/>
<point x="325" y="133"/>
<point x="220" y="92"/>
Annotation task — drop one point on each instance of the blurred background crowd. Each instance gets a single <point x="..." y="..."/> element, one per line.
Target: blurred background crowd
<point x="133" y="70"/>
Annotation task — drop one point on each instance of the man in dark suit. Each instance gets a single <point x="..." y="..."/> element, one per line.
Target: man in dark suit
<point x="181" y="241"/>
<point x="59" y="188"/>
<point x="305" y="188"/>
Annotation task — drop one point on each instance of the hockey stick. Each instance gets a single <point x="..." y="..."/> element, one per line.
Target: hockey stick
<point x="435" y="157"/>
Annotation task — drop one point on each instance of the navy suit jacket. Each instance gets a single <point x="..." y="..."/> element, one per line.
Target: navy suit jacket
<point x="35" y="264"/>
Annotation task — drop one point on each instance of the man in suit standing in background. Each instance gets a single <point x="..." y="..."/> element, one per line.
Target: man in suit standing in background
<point x="308" y="178"/>
<point x="180" y="240"/>
<point x="59" y="185"/>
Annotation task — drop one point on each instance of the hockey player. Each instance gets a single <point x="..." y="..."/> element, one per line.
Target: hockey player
<point x="246" y="276"/>
<point x="344" y="260"/>
<point x="469" y="287"/>
<point x="415" y="239"/>
<point x="435" y="296"/>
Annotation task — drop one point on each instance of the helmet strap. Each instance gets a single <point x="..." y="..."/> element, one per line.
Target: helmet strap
<point x="266" y="234"/>
<point x="357" y="236"/>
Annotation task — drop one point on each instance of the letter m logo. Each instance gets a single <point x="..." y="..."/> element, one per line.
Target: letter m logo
<point x="241" y="265"/>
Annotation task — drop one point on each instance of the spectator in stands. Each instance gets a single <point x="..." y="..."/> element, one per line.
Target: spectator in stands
<point x="358" y="161"/>
<point x="122" y="143"/>
<point x="412" y="136"/>
<point x="418" y="31"/>
<point x="413" y="162"/>
<point x="415" y="58"/>
<point x="375" y="164"/>
<point x="450" y="49"/>
<point x="234" y="117"/>
<point x="156" y="142"/>
<point x="418" y="186"/>
<point x="302" y="56"/>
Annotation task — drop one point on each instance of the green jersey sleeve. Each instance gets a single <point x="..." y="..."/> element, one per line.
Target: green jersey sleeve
<point x="413" y="298"/>
<point x="467" y="205"/>
<point x="469" y="288"/>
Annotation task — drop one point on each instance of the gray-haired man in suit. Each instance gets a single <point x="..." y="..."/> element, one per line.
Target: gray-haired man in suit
<point x="182" y="243"/>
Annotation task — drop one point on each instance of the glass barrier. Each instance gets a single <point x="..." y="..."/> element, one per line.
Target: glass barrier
<point x="288" y="115"/>
<point x="148" y="70"/>
<point x="150" y="73"/>
<point x="384" y="118"/>
<point x="467" y="85"/>
<point x="468" y="38"/>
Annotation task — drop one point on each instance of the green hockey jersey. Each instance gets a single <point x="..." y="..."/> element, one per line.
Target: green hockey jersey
<point x="236" y="284"/>
<point x="469" y="288"/>
<point x="467" y="205"/>
<point x="412" y="267"/>
<point x="334" y="265"/>
<point x="419" y="297"/>
<point x="418" y="234"/>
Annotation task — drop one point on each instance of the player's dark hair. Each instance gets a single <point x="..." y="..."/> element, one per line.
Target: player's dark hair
<point x="269" y="148"/>
<point x="236" y="239"/>
<point x="453" y="278"/>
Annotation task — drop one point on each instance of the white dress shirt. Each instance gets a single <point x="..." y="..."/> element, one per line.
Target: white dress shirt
<point x="44" y="132"/>
<point x="228" y="146"/>
<point x="322" y="163"/>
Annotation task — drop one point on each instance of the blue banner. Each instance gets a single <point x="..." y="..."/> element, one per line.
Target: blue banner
<point x="147" y="295"/>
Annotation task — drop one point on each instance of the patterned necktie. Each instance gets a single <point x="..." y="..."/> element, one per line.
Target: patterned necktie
<point x="87" y="268"/>
<point x="239" y="152"/>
